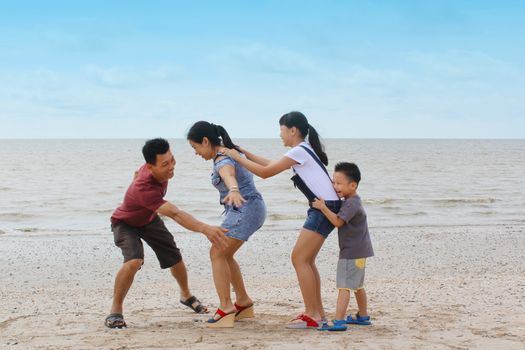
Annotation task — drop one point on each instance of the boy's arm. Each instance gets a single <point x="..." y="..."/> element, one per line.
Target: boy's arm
<point x="330" y="215"/>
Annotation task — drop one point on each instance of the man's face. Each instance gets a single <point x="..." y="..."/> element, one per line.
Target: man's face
<point x="164" y="167"/>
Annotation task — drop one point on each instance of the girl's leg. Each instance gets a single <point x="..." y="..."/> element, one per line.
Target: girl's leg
<point x="221" y="273"/>
<point x="303" y="258"/>
<point x="318" y="289"/>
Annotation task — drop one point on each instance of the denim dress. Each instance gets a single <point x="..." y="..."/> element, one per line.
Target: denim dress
<point x="241" y="222"/>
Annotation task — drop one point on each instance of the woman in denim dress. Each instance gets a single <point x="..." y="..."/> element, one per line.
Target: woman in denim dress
<point x="245" y="213"/>
<point x="306" y="159"/>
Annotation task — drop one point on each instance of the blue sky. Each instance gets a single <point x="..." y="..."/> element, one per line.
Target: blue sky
<point x="359" y="69"/>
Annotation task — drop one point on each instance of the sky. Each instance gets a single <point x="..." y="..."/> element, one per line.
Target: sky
<point x="356" y="69"/>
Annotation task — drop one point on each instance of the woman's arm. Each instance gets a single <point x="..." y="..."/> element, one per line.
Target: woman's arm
<point x="255" y="158"/>
<point x="227" y="174"/>
<point x="263" y="171"/>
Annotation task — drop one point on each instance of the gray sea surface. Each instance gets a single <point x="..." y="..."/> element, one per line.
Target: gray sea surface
<point x="73" y="186"/>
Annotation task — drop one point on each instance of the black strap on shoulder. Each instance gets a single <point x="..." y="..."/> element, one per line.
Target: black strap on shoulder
<point x="217" y="156"/>
<point x="314" y="156"/>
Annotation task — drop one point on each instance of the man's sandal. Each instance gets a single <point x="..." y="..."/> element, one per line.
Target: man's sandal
<point x="243" y="311"/>
<point x="195" y="304"/>
<point x="225" y="320"/>
<point x="115" y="321"/>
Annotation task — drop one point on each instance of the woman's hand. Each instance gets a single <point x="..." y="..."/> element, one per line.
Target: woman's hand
<point x="235" y="199"/>
<point x="230" y="152"/>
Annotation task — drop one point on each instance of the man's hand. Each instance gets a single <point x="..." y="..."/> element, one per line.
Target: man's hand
<point x="215" y="235"/>
<point x="319" y="204"/>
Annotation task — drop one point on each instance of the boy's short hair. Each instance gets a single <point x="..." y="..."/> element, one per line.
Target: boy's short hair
<point x="350" y="170"/>
<point x="154" y="147"/>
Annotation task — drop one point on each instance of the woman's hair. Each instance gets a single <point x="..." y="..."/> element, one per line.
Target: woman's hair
<point x="214" y="133"/>
<point x="298" y="120"/>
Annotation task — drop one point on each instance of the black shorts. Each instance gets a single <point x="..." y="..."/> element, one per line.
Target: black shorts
<point x="155" y="234"/>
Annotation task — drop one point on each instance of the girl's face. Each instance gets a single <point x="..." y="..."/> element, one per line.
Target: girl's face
<point x="204" y="149"/>
<point x="287" y="135"/>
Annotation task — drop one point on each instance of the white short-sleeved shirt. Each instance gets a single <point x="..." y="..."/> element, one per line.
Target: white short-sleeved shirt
<point x="311" y="173"/>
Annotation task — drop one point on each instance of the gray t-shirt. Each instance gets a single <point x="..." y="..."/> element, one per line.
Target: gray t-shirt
<point x="354" y="239"/>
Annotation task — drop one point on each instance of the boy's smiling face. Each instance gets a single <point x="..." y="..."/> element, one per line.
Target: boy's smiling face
<point x="344" y="187"/>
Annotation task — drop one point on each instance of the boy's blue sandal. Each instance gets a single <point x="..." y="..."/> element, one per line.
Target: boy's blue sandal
<point x="337" y="326"/>
<point x="359" y="320"/>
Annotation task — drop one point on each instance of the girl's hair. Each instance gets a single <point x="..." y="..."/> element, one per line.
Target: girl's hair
<point x="298" y="120"/>
<point x="214" y="133"/>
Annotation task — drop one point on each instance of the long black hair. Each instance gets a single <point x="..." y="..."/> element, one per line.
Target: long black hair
<point x="298" y="120"/>
<point x="214" y="133"/>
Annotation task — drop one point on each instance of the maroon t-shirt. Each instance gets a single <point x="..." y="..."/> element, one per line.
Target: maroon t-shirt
<point x="144" y="196"/>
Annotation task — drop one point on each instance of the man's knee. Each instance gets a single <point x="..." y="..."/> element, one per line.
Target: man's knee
<point x="134" y="265"/>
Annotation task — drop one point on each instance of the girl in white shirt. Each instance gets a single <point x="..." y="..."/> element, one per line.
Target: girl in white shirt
<point x="306" y="159"/>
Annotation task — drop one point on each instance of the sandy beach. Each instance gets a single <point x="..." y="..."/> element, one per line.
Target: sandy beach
<point x="431" y="287"/>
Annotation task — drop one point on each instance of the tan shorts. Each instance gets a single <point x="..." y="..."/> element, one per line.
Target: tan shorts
<point x="351" y="273"/>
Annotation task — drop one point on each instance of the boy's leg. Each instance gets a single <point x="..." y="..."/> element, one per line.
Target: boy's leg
<point x="343" y="299"/>
<point x="360" y="297"/>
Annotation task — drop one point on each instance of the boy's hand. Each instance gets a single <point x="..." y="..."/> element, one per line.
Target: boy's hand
<point x="319" y="204"/>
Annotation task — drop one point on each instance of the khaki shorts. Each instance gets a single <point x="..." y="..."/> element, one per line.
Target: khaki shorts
<point x="155" y="234"/>
<point x="351" y="273"/>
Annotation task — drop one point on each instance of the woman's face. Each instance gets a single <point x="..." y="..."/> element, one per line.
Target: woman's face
<point x="203" y="149"/>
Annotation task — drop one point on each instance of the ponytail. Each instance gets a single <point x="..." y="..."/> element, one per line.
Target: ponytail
<point x="226" y="140"/>
<point x="315" y="142"/>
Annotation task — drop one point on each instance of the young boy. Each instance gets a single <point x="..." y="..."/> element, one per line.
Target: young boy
<point x="354" y="244"/>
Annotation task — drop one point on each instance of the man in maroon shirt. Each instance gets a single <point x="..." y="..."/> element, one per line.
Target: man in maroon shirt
<point x="137" y="219"/>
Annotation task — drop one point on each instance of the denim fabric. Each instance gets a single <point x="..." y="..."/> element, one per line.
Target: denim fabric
<point x="244" y="221"/>
<point x="317" y="222"/>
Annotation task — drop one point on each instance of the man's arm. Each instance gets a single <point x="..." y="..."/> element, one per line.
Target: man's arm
<point x="330" y="215"/>
<point x="214" y="234"/>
